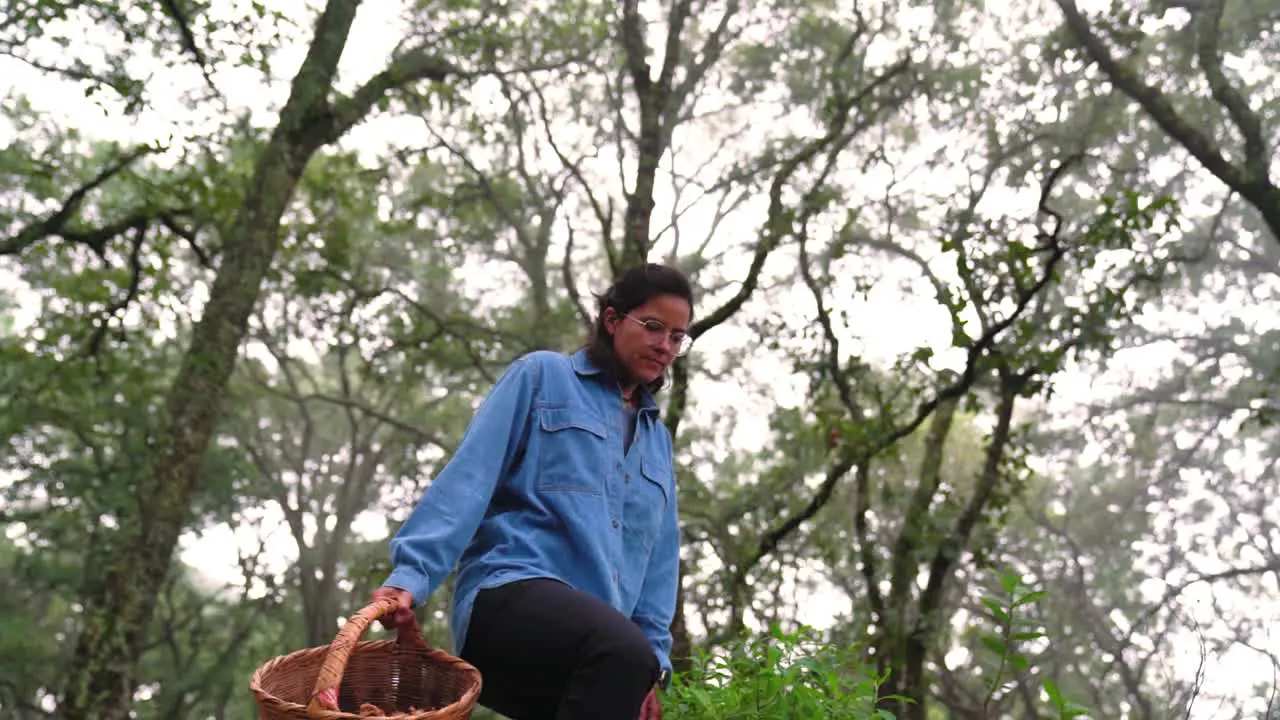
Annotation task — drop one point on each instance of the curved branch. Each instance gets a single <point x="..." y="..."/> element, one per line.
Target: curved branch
<point x="1254" y="187"/>
<point x="109" y="313"/>
<point x="57" y="223"/>
<point x="189" y="45"/>
<point x="570" y="284"/>
<point x="1161" y="110"/>
<point x="1228" y="96"/>
<point x="977" y="351"/>
<point x="777" y="224"/>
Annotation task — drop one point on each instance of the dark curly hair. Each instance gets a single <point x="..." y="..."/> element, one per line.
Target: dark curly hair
<point x="632" y="289"/>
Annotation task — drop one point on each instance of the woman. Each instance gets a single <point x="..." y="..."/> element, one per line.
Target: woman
<point x="559" y="509"/>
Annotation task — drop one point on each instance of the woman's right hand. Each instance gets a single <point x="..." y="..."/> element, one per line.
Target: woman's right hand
<point x="402" y="616"/>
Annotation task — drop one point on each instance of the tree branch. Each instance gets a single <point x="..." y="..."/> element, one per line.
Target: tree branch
<point x="57" y="223"/>
<point x="654" y="136"/>
<point x="671" y="54"/>
<point x="189" y="45"/>
<point x="777" y="226"/>
<point x="950" y="550"/>
<point x="570" y="284"/>
<point x="602" y="212"/>
<point x="131" y="293"/>
<point x="1251" y="185"/>
<point x="1161" y="110"/>
<point x="866" y="549"/>
<point x="1256" y="158"/>
<point x="906" y="563"/>
<point x="977" y="351"/>
<point x="413" y="66"/>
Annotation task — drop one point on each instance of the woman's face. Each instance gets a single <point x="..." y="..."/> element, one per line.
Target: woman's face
<point x="647" y="339"/>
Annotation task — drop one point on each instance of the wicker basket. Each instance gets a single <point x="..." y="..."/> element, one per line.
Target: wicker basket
<point x="352" y="679"/>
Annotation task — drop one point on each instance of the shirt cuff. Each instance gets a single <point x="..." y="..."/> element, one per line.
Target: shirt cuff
<point x="664" y="662"/>
<point x="411" y="581"/>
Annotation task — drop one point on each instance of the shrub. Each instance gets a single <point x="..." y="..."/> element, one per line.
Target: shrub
<point x="775" y="676"/>
<point x="798" y="675"/>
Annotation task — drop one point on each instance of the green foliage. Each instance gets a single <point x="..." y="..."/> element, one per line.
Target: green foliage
<point x="778" y="675"/>
<point x="34" y="587"/>
<point x="414" y="271"/>
<point x="1009" y="608"/>
<point x="50" y="35"/>
<point x="808" y="674"/>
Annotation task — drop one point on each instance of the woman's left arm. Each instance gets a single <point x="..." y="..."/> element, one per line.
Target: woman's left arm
<point x="656" y="608"/>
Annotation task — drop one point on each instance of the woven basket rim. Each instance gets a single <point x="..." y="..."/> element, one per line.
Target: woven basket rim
<point x="281" y="663"/>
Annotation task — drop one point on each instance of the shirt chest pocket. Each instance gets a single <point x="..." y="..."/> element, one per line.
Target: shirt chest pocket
<point x="647" y="501"/>
<point x="573" y="450"/>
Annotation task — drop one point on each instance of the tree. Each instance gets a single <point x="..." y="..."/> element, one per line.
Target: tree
<point x="72" y="436"/>
<point x="547" y="208"/>
<point x="1232" y="140"/>
<point x="126" y="569"/>
<point x="1012" y="285"/>
<point x="787" y="155"/>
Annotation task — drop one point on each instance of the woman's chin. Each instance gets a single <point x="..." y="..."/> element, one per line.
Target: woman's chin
<point x="646" y="371"/>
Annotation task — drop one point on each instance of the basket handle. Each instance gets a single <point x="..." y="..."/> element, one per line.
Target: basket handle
<point x="324" y="695"/>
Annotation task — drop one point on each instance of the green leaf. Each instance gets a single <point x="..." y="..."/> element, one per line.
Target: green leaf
<point x="996" y="609"/>
<point x="1051" y="689"/>
<point x="1031" y="598"/>
<point x="995" y="644"/>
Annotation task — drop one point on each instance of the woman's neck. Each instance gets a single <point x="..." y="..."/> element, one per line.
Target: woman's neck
<point x="628" y="393"/>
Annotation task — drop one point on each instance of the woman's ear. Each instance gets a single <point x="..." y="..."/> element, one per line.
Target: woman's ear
<point x="611" y="320"/>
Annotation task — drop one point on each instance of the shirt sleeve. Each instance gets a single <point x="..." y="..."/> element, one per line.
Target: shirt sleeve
<point x="656" y="608"/>
<point x="428" y="545"/>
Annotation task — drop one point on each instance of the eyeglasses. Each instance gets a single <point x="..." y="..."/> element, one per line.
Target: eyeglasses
<point x="657" y="330"/>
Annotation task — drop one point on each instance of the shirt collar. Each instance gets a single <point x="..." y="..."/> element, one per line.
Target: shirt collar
<point x="582" y="363"/>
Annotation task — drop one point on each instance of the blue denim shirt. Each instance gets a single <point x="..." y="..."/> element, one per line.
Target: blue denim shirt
<point x="541" y="487"/>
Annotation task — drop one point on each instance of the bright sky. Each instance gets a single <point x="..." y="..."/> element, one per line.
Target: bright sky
<point x="889" y="320"/>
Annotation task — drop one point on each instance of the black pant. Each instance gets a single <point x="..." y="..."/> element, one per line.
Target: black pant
<point x="548" y="652"/>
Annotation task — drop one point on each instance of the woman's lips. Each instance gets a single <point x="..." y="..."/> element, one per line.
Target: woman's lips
<point x="656" y="364"/>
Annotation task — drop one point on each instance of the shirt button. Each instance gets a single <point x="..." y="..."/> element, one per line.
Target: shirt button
<point x="615" y="524"/>
<point x="628" y="477"/>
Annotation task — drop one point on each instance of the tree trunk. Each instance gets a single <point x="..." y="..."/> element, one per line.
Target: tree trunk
<point x="910" y="644"/>
<point x="681" y="642"/>
<point x="119" y="592"/>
